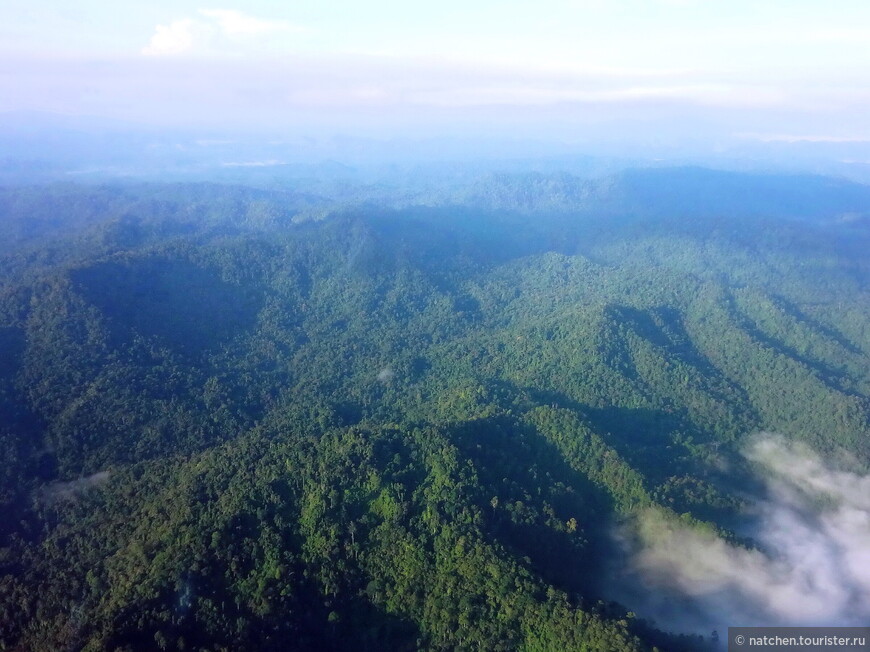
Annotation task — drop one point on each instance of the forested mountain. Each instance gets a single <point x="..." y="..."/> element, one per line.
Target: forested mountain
<point x="403" y="418"/>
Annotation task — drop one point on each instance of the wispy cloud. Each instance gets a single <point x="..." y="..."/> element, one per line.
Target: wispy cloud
<point x="235" y="23"/>
<point x="213" y="30"/>
<point x="838" y="35"/>
<point x="253" y="164"/>
<point x="585" y="91"/>
<point x="802" y="138"/>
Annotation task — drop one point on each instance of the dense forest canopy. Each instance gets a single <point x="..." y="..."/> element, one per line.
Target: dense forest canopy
<point x="407" y="416"/>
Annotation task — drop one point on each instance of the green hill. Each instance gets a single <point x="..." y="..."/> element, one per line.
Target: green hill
<point x="237" y="419"/>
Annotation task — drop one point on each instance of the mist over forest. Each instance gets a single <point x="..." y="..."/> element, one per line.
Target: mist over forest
<point x="553" y="402"/>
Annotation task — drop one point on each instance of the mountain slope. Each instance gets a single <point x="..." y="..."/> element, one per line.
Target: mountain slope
<point x="404" y="428"/>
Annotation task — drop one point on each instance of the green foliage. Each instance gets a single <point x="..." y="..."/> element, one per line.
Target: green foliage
<point x="225" y="428"/>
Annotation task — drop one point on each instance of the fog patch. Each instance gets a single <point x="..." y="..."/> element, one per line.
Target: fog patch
<point x="386" y="374"/>
<point x="811" y="566"/>
<point x="60" y="491"/>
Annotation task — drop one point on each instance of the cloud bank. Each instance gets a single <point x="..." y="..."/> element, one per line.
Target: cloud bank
<point x="811" y="567"/>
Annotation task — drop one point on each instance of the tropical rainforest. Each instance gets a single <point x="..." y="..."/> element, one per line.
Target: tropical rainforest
<point x="363" y="416"/>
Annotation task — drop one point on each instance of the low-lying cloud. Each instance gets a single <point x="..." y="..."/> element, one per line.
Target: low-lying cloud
<point x="72" y="489"/>
<point x="811" y="566"/>
<point x="386" y="374"/>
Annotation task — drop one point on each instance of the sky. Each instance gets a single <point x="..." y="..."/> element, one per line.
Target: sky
<point x="572" y="70"/>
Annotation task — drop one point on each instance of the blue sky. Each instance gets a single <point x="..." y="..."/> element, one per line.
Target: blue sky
<point x="571" y="69"/>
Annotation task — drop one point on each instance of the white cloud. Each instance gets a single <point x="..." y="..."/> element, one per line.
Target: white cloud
<point x="812" y="568"/>
<point x="215" y="30"/>
<point x="174" y="38"/>
<point x="235" y="23"/>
